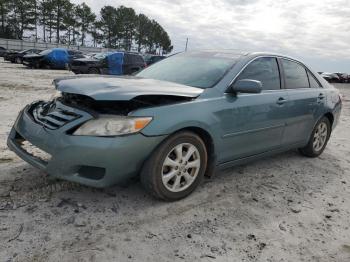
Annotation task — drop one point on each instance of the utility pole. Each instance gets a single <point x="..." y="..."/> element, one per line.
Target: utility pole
<point x="186" y="44"/>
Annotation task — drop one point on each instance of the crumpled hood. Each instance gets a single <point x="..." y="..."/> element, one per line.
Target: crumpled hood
<point x="122" y="88"/>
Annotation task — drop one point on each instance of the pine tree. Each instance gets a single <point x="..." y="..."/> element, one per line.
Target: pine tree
<point x="142" y="27"/>
<point x="66" y="22"/>
<point x="21" y="18"/>
<point x="85" y="18"/>
<point x="70" y="24"/>
<point x="126" y="22"/>
<point x="96" y="34"/>
<point x="4" y="12"/>
<point x="108" y="25"/>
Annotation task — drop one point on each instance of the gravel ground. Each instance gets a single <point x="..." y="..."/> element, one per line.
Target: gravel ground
<point x="282" y="208"/>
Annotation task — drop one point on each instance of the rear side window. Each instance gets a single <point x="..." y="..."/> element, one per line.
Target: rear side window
<point x="136" y="59"/>
<point x="265" y="70"/>
<point x="295" y="75"/>
<point x="313" y="82"/>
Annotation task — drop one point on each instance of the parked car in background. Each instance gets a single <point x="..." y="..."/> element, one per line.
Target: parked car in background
<point x="55" y="58"/>
<point x="109" y="63"/>
<point x="330" y="77"/>
<point x="178" y="120"/>
<point x="151" y="59"/>
<point x="343" y="77"/>
<point x="17" y="57"/>
<point x="3" y="51"/>
<point x="8" y="54"/>
<point x="89" y="55"/>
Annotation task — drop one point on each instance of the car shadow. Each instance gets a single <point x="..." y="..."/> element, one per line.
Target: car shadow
<point x="247" y="204"/>
<point x="287" y="171"/>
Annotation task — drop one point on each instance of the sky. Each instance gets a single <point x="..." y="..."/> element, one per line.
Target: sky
<point x="315" y="31"/>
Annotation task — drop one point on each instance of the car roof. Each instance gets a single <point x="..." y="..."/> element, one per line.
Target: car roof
<point x="242" y="54"/>
<point x="132" y="53"/>
<point x="59" y="48"/>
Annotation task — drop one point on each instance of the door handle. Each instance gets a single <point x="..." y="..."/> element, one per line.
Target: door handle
<point x="321" y="96"/>
<point x="281" y="101"/>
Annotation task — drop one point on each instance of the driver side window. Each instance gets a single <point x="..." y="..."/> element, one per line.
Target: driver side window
<point x="265" y="70"/>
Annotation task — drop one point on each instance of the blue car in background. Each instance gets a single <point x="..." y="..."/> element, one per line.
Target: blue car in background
<point x="109" y="63"/>
<point x="55" y="58"/>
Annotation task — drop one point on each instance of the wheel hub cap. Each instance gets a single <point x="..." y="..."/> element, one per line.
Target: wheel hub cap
<point x="181" y="167"/>
<point x="320" y="136"/>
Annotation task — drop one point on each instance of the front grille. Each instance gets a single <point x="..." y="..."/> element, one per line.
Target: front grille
<point x="51" y="116"/>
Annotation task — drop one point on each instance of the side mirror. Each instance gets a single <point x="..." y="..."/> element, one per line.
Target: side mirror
<point x="246" y="86"/>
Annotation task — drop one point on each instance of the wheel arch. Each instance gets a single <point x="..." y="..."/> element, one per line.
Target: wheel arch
<point x="209" y="143"/>
<point x="330" y="117"/>
<point x="95" y="68"/>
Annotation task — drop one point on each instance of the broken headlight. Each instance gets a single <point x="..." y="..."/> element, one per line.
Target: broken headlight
<point x="109" y="125"/>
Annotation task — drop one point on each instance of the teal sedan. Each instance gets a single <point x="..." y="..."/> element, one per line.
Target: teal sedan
<point x="178" y="120"/>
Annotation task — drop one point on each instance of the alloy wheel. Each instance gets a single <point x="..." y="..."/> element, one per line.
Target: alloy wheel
<point x="181" y="167"/>
<point x="320" y="136"/>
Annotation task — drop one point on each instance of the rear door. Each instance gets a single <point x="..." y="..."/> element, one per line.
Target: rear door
<point x="306" y="100"/>
<point x="132" y="63"/>
<point x="258" y="120"/>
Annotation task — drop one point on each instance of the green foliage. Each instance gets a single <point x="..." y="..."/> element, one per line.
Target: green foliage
<point x="85" y="19"/>
<point x="64" y="22"/>
<point x="108" y="25"/>
<point x="20" y="17"/>
<point x="5" y="29"/>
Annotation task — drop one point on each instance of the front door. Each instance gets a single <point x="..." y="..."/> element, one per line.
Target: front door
<point x="257" y="120"/>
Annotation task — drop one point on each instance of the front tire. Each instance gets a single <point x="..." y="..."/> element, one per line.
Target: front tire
<point x="318" y="140"/>
<point x="176" y="167"/>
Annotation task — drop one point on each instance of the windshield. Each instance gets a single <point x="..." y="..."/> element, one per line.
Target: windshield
<point x="101" y="55"/>
<point x="199" y="69"/>
<point x="45" y="52"/>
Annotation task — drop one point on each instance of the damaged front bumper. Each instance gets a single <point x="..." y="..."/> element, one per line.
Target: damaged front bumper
<point x="92" y="161"/>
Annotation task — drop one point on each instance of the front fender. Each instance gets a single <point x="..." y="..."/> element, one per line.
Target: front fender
<point x="169" y="119"/>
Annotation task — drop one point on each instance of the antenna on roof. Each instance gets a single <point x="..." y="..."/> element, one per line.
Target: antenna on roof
<point x="186" y="44"/>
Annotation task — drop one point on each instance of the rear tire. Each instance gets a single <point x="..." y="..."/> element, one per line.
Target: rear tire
<point x="176" y="167"/>
<point x="36" y="65"/>
<point x="318" y="139"/>
<point x="94" y="71"/>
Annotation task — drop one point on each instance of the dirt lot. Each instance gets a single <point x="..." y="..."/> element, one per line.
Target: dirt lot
<point x="283" y="208"/>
